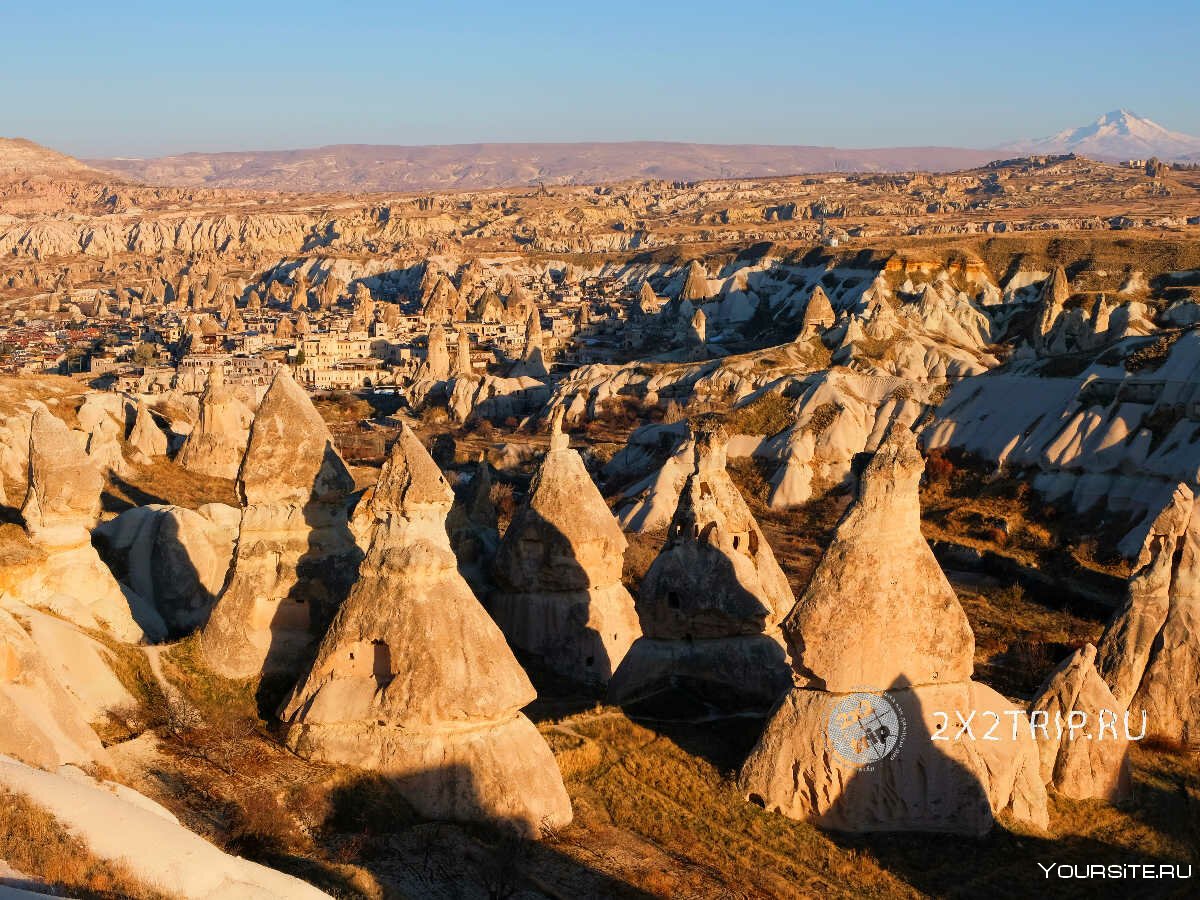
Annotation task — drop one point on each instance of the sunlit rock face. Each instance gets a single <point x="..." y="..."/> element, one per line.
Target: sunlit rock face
<point x="295" y="557"/>
<point x="62" y="505"/>
<point x="879" y="616"/>
<point x="216" y="445"/>
<point x="1149" y="654"/>
<point x="710" y="603"/>
<point x="559" y="567"/>
<point x="414" y="680"/>
<point x="1077" y="767"/>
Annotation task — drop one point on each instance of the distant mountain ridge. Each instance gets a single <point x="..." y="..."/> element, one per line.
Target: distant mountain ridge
<point x="22" y="158"/>
<point x="1116" y="135"/>
<point x="348" y="168"/>
<point x="386" y="167"/>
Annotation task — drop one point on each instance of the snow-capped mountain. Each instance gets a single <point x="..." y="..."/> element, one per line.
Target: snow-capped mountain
<point x="1117" y="135"/>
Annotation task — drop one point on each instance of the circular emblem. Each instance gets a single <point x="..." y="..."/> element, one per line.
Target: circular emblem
<point x="865" y="728"/>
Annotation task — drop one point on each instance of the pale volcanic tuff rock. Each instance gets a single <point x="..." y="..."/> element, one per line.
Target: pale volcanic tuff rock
<point x="173" y="557"/>
<point x="891" y="591"/>
<point x="1055" y="291"/>
<point x="559" y="570"/>
<point x="531" y="363"/>
<point x="1082" y="767"/>
<point x="474" y="529"/>
<point x="462" y="354"/>
<point x="44" y="724"/>
<point x="437" y="357"/>
<point x="711" y="602"/>
<point x="414" y="680"/>
<point x="1149" y="654"/>
<point x="62" y="505"/>
<point x="695" y="283"/>
<point x="295" y="556"/>
<point x="118" y="825"/>
<point x="146" y="439"/>
<point x="216" y="445"/>
<point x="879" y="616"/>
<point x="818" y="314"/>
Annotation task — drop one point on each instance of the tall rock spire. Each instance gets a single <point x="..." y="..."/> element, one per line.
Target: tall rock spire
<point x="437" y="358"/>
<point x="218" y="441"/>
<point x="710" y="603"/>
<point x="559" y="569"/>
<point x="295" y="555"/>
<point x="462" y="356"/>
<point x="414" y="680"/>
<point x="1149" y="654"/>
<point x="882" y="651"/>
<point x="61" y="507"/>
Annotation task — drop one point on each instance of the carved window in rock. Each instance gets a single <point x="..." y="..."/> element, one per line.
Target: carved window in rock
<point x="381" y="662"/>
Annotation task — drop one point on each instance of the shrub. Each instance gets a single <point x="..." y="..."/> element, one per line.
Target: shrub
<point x="823" y="417"/>
<point x="766" y="415"/>
<point x="434" y="415"/>
<point x="1152" y="355"/>
<point x="482" y="428"/>
<point x="260" y="825"/>
<point x="505" y="502"/>
<point x="938" y="468"/>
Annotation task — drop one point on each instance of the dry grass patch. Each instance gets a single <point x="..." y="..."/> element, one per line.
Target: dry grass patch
<point x="765" y="415"/>
<point x="640" y="791"/>
<point x="36" y="843"/>
<point x="632" y="787"/>
<point x="162" y="481"/>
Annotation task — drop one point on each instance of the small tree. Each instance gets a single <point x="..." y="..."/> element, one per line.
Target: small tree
<point x="144" y="354"/>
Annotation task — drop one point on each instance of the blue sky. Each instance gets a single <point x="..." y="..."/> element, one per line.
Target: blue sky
<point x="151" y="78"/>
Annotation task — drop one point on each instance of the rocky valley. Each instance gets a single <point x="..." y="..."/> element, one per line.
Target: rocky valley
<point x="602" y="537"/>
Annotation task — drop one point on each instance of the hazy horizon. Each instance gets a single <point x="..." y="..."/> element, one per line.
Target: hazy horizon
<point x="144" y="81"/>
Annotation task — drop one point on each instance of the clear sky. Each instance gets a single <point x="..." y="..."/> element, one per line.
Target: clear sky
<point x="139" y="78"/>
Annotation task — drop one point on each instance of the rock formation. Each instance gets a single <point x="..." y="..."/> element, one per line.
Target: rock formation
<point x="1149" y="654"/>
<point x="414" y="680"/>
<point x="217" y="443"/>
<point x="174" y="558"/>
<point x="559" y="570"/>
<point x="62" y="505"/>
<point x="695" y="284"/>
<point x="531" y="364"/>
<point x="473" y="525"/>
<point x="104" y="447"/>
<point x="295" y="557"/>
<point x="879" y="616"/>
<point x="710" y="603"/>
<point x="43" y="723"/>
<point x="437" y="358"/>
<point x="1055" y="291"/>
<point x="146" y="439"/>
<point x="462" y="355"/>
<point x="818" y="313"/>
<point x="648" y="301"/>
<point x="698" y="328"/>
<point x="1091" y="763"/>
